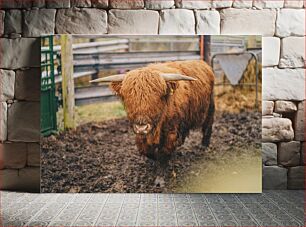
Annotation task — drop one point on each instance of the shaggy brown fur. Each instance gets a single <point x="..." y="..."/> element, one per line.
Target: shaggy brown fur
<point x="172" y="108"/>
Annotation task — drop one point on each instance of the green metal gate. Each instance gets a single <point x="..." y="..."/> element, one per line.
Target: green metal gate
<point x="48" y="106"/>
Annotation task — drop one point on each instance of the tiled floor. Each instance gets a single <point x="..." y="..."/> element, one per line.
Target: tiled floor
<point x="271" y="208"/>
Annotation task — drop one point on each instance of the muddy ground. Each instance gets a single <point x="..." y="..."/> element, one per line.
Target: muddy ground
<point x="102" y="157"/>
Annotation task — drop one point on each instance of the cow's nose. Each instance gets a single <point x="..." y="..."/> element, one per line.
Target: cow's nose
<point x="141" y="129"/>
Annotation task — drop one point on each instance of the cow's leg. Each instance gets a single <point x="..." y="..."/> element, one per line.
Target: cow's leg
<point x="161" y="164"/>
<point x="164" y="156"/>
<point x="170" y="143"/>
<point x="207" y="126"/>
<point x="144" y="148"/>
<point x="173" y="140"/>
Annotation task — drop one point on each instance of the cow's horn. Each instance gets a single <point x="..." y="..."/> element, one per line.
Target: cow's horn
<point x="114" y="78"/>
<point x="173" y="77"/>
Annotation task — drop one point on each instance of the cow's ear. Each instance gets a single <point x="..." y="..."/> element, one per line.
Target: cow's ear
<point x="116" y="87"/>
<point x="171" y="87"/>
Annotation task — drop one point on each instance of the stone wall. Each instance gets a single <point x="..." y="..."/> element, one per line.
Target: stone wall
<point x="281" y="22"/>
<point x="20" y="113"/>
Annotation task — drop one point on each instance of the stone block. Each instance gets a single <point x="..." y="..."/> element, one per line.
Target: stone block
<point x="296" y="176"/>
<point x="3" y="121"/>
<point x="276" y="115"/>
<point x="80" y="3"/>
<point x="133" y="22"/>
<point x="293" y="3"/>
<point x="283" y="84"/>
<point x="126" y="4"/>
<point x="27" y="86"/>
<point x="24" y="122"/>
<point x="33" y="158"/>
<point x="248" y="22"/>
<point x="99" y="3"/>
<point x="38" y="3"/>
<point x="26" y="179"/>
<point x="270" y="51"/>
<point x="38" y="22"/>
<point x="277" y="129"/>
<point x="159" y="4"/>
<point x="15" y="4"/>
<point x="208" y="22"/>
<point x="2" y="15"/>
<point x="267" y="107"/>
<point x="299" y="122"/>
<point x="7" y="82"/>
<point x="242" y="4"/>
<point x="290" y="22"/>
<point x="176" y="22"/>
<point x="13" y="21"/>
<point x="303" y="160"/>
<point x="81" y="21"/>
<point x="13" y="155"/>
<point x="269" y="154"/>
<point x="192" y="4"/>
<point x="222" y="4"/>
<point x="20" y="53"/>
<point x="274" y="177"/>
<point x="55" y="4"/>
<point x="293" y="52"/>
<point x="289" y="153"/>
<point x="261" y="4"/>
<point x="285" y="107"/>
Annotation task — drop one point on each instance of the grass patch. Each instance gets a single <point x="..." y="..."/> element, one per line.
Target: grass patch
<point x="93" y="113"/>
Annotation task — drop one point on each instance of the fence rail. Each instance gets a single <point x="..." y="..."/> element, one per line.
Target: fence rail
<point x="89" y="64"/>
<point x="134" y="58"/>
<point x="92" y="57"/>
<point x="93" y="94"/>
<point x="79" y="46"/>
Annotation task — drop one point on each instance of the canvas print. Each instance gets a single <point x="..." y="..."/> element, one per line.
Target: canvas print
<point x="146" y="114"/>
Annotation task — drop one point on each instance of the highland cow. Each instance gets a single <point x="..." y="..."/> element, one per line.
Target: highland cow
<point x="164" y="101"/>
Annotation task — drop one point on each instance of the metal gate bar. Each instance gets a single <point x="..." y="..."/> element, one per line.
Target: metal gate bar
<point x="48" y="105"/>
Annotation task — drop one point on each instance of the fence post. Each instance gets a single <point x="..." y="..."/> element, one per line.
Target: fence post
<point x="202" y="51"/>
<point x="251" y="41"/>
<point x="207" y="48"/>
<point x="67" y="82"/>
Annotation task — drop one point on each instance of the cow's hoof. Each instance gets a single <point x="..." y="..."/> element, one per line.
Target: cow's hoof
<point x="159" y="182"/>
<point x="152" y="154"/>
<point x="205" y="144"/>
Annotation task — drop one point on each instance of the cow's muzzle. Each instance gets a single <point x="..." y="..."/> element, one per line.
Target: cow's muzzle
<point x="142" y="129"/>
